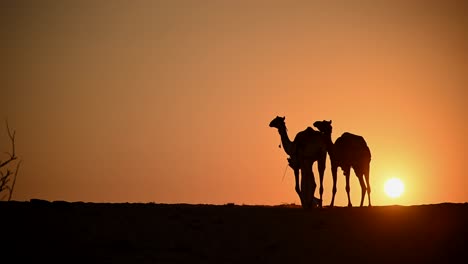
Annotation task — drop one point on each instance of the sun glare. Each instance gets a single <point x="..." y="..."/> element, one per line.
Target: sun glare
<point x="394" y="187"/>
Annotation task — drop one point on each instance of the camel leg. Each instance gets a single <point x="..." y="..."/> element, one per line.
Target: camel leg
<point x="314" y="186"/>
<point x="321" y="169"/>
<point x="334" y="171"/>
<point x="346" y="172"/>
<point x="298" y="189"/>
<point x="366" y="175"/>
<point x="307" y="185"/>
<point x="363" y="189"/>
<point x="360" y="174"/>
<point x="305" y="188"/>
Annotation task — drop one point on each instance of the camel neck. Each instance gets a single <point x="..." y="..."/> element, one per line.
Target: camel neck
<point x="285" y="140"/>
<point x="329" y="142"/>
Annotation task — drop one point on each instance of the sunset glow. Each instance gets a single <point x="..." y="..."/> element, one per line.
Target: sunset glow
<point x="170" y="101"/>
<point x="394" y="187"/>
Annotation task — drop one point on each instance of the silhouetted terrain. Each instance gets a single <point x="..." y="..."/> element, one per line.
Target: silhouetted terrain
<point x="182" y="233"/>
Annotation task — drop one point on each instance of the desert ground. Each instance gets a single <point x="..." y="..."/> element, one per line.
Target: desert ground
<point x="77" y="232"/>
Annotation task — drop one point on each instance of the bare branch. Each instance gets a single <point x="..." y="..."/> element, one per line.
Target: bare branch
<point x="8" y="172"/>
<point x="12" y="137"/>
<point x="4" y="178"/>
<point x="13" y="150"/>
<point x="7" y="161"/>
<point x="14" y="181"/>
<point x="3" y="164"/>
<point x="8" y="176"/>
<point x="6" y="181"/>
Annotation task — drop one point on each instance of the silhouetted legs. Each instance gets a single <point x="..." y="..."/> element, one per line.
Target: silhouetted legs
<point x="313" y="185"/>
<point x="293" y="163"/>
<point x="334" y="171"/>
<point x="346" y="172"/>
<point x="305" y="188"/>
<point x="361" y="172"/>
<point x="321" y="169"/>
<point x="298" y="189"/>
<point x="308" y="185"/>
<point x="360" y="176"/>
<point x="366" y="175"/>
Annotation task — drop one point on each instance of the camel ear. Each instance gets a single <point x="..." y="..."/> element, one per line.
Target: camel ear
<point x="330" y="122"/>
<point x="283" y="118"/>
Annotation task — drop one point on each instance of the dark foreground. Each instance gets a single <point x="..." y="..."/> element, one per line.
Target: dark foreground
<point x="160" y="233"/>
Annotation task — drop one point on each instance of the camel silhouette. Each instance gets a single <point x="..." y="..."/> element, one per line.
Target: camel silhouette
<point x="308" y="146"/>
<point x="349" y="151"/>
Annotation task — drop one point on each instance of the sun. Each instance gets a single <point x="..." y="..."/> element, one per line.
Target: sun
<point x="394" y="187"/>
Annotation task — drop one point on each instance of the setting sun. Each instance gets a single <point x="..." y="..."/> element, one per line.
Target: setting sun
<point x="394" y="187"/>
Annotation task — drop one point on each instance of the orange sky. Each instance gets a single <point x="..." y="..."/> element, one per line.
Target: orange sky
<point x="170" y="101"/>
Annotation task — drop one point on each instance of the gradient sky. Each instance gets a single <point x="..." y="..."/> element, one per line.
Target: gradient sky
<point x="170" y="101"/>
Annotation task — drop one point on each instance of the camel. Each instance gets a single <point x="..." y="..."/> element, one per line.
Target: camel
<point x="349" y="151"/>
<point x="308" y="146"/>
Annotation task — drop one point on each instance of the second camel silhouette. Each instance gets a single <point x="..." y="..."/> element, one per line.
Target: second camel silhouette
<point x="348" y="151"/>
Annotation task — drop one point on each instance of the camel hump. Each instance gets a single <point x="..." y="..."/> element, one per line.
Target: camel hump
<point x="354" y="138"/>
<point x="353" y="142"/>
<point x="306" y="134"/>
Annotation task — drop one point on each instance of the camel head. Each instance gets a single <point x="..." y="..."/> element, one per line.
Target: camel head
<point x="278" y="122"/>
<point x="324" y="126"/>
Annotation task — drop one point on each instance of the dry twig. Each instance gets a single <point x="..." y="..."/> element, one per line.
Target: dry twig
<point x="8" y="175"/>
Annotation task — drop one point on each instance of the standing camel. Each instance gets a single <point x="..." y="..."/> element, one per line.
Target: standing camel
<point x="349" y="151"/>
<point x="308" y="146"/>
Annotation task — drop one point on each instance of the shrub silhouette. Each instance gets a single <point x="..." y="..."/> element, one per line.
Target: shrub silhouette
<point x="9" y="169"/>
